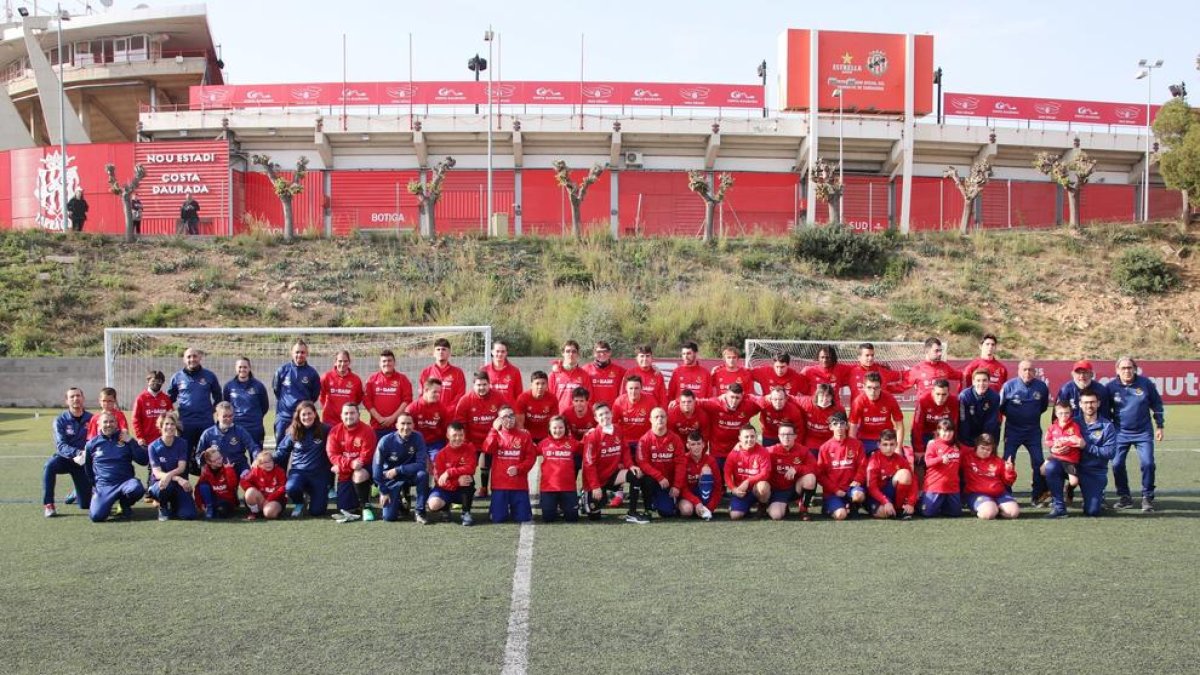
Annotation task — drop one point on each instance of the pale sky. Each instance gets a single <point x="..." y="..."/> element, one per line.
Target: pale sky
<point x="1061" y="49"/>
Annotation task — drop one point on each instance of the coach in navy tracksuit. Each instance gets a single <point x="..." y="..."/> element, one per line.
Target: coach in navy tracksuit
<point x="978" y="411"/>
<point x="234" y="442"/>
<point x="303" y="453"/>
<point x="400" y="461"/>
<point x="1023" y="401"/>
<point x="70" y="436"/>
<point x="108" y="463"/>
<point x="1100" y="437"/>
<point x="250" y="401"/>
<point x="294" y="381"/>
<point x="1083" y="379"/>
<point x="1134" y="401"/>
<point x="195" y="391"/>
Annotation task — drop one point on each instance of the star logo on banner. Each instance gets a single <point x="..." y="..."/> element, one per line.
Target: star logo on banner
<point x="847" y="58"/>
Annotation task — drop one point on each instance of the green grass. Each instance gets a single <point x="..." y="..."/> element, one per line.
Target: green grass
<point x="1116" y="594"/>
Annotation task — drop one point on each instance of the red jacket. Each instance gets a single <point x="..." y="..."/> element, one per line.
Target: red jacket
<point x="509" y="448"/>
<point x="988" y="476"/>
<point x="753" y="465"/>
<point x="346" y="445"/>
<point x="606" y="382"/>
<point x="385" y="394"/>
<point x="721" y="377"/>
<point x="224" y="485"/>
<point x="942" y="464"/>
<point x="454" y="382"/>
<point x="477" y="414"/>
<point x="654" y="386"/>
<point x="579" y="425"/>
<point x="816" y="421"/>
<point x="273" y="483"/>
<point x="558" y="464"/>
<point x="506" y="380"/>
<point x="924" y="374"/>
<point x="693" y="377"/>
<point x="798" y="458"/>
<point x="633" y="417"/>
<point x="727" y="424"/>
<point x="430" y="419"/>
<point x="872" y="417"/>
<point x="1070" y="439"/>
<point x="836" y="377"/>
<point x="662" y="457"/>
<point x="564" y="382"/>
<point x="537" y="413"/>
<point x="880" y="470"/>
<point x="792" y="381"/>
<point x="455" y="462"/>
<point x="603" y="455"/>
<point x="893" y="380"/>
<point x="692" y="470"/>
<point x="337" y="391"/>
<point x="683" y="425"/>
<point x="997" y="373"/>
<point x="147" y="408"/>
<point x="770" y="418"/>
<point x="840" y="463"/>
<point x="926" y="417"/>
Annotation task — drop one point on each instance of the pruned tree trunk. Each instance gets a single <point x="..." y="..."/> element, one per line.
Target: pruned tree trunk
<point x="289" y="227"/>
<point x="428" y="193"/>
<point x="835" y="209"/>
<point x="576" y="192"/>
<point x="285" y="188"/>
<point x="126" y="192"/>
<point x="710" y="210"/>
<point x="964" y="224"/>
<point x="576" y="217"/>
<point x="1073" y="207"/>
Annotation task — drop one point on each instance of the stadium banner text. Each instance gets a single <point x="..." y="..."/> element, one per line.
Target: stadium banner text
<point x="1047" y="109"/>
<point x="471" y="93"/>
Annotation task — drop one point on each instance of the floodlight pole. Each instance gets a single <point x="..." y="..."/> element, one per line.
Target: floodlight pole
<point x="1147" y="71"/>
<point x="62" y="122"/>
<point x="488" y="37"/>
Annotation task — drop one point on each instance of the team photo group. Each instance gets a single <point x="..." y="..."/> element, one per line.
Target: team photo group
<point x="827" y="439"/>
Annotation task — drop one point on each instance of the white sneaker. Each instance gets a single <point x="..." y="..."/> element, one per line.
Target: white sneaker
<point x="345" y="516"/>
<point x="705" y="514"/>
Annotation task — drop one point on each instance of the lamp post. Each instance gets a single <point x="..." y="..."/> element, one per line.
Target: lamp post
<point x="62" y="117"/>
<point x="1146" y="72"/>
<point x="477" y="64"/>
<point x="488" y="36"/>
<point x="762" y="72"/>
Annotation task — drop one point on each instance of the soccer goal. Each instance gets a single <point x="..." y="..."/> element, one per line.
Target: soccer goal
<point x="130" y="352"/>
<point x="899" y="356"/>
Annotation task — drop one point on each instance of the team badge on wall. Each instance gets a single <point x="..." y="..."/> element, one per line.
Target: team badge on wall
<point x="877" y="62"/>
<point x="48" y="191"/>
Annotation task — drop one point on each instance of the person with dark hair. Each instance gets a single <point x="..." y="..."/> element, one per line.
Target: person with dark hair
<point x="189" y="214"/>
<point x="351" y="449"/>
<point x="557" y="482"/>
<point x="250" y="401"/>
<point x="1100" y="445"/>
<point x="606" y="375"/>
<point x="304" y="454"/>
<point x="294" y="381"/>
<point x="453" y="379"/>
<point x="386" y="394"/>
<point x="108" y="463"/>
<point x="997" y="372"/>
<point x="689" y="374"/>
<point x="339" y="385"/>
<point x="827" y="370"/>
<point x="234" y="442"/>
<point x="454" y="474"/>
<point x="149" y="405"/>
<point x="70" y="437"/>
<point x="793" y="474"/>
<point x="504" y="376"/>
<point x="841" y="470"/>
<point x="401" y="462"/>
<point x="987" y="480"/>
<point x="729" y="372"/>
<point x="654" y="387"/>
<point x="891" y="485"/>
<point x="933" y="369"/>
<point x="780" y="373"/>
<point x="942" y="495"/>
<point x="477" y="411"/>
<point x="169" y="485"/>
<point x="513" y="456"/>
<point x="568" y="375"/>
<point x="77" y="210"/>
<point x="535" y="407"/>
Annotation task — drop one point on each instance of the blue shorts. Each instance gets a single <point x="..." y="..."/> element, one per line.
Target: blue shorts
<point x="941" y="504"/>
<point x="559" y="504"/>
<point x="870" y="445"/>
<point x="347" y="498"/>
<point x="831" y="503"/>
<point x="661" y="502"/>
<point x="510" y="505"/>
<point x="742" y="504"/>
<point x="976" y="500"/>
<point x="446" y="495"/>
<point x="782" y="496"/>
<point x="433" y="449"/>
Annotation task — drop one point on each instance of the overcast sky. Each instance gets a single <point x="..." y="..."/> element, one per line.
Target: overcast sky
<point x="1049" y="48"/>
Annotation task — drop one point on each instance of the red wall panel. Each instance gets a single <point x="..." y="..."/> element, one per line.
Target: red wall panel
<point x="1105" y="203"/>
<point x="1164" y="204"/>
<point x="5" y="190"/>
<point x="464" y="201"/>
<point x="936" y="204"/>
<point x="760" y="203"/>
<point x="659" y="203"/>
<point x="29" y="177"/>
<point x="865" y="203"/>
<point x="1033" y="203"/>
<point x="372" y="200"/>
<point x="546" y="210"/>
<point x="174" y="168"/>
<point x="258" y="203"/>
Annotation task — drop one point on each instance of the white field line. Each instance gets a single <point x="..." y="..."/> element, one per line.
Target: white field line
<point x="516" y="650"/>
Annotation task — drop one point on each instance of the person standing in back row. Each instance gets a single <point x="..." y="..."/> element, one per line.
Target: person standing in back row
<point x="1134" y="403"/>
<point x="189" y="214"/>
<point x="77" y="210"/>
<point x="294" y="381"/>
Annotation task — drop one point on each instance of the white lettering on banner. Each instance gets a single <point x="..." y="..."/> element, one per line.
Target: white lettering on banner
<point x="181" y="158"/>
<point x="180" y="178"/>
<point x="387" y="218"/>
<point x="180" y="189"/>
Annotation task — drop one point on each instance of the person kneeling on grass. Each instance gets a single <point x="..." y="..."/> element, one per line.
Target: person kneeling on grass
<point x="234" y="442"/>
<point x="265" y="487"/>
<point x="70" y="438"/>
<point x="351" y="447"/>
<point x="841" y="470"/>
<point x="169" y="485"/>
<point x="607" y="466"/>
<point x="890" y="489"/>
<point x="556" y="484"/>
<point x="216" y="490"/>
<point x="747" y="473"/>
<point x="401" y="460"/>
<point x="702" y="489"/>
<point x="108" y="463"/>
<point x="454" y="471"/>
<point x="943" y="459"/>
<point x="513" y="456"/>
<point x="660" y="456"/>
<point x="793" y="474"/>
<point x="988" y="480"/>
<point x="303" y="453"/>
<point x="1064" y="438"/>
<point x="1100" y="445"/>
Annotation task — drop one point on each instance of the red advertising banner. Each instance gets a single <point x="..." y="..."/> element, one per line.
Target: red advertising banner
<point x="35" y="185"/>
<point x="175" y="169"/>
<point x="471" y="93"/>
<point x="1047" y="109"/>
<point x="868" y="67"/>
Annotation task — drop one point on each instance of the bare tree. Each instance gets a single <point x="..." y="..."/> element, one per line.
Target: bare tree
<point x="698" y="183"/>
<point x="285" y="188"/>
<point x="125" y="192"/>
<point x="576" y="192"/>
<point x="428" y="193"/>
<point x="828" y="182"/>
<point x="1072" y="175"/>
<point x="971" y="186"/>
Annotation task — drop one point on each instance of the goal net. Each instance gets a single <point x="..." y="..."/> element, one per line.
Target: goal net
<point x="900" y="356"/>
<point x="130" y="352"/>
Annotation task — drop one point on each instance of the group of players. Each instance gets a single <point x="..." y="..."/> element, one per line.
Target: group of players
<point x="607" y="436"/>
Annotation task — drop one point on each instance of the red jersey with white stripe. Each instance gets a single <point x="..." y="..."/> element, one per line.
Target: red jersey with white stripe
<point x="942" y="464"/>
<point x="336" y="391"/>
<point x="477" y="414"/>
<point x="430" y="419"/>
<point x="881" y="469"/>
<point x="797" y="458"/>
<point x="604" y="454"/>
<point x="694" y="377"/>
<point x="455" y="461"/>
<point x="606" y="381"/>
<point x="506" y="380"/>
<point x="147" y="408"/>
<point x="727" y="423"/>
<point x="537" y="412"/>
<point x="683" y="425"/>
<point x="454" y="381"/>
<point x="633" y="417"/>
<point x="563" y="384"/>
<point x="721" y="377"/>
<point x="987" y="476"/>
<point x="997" y="373"/>
<point x="385" y="394"/>
<point x="840" y="463"/>
<point x="792" y="381"/>
<point x="872" y="417"/>
<point x="558" y="464"/>
<point x="662" y="457"/>
<point x="346" y="444"/>
<point x="510" y="448"/>
<point x="753" y="465"/>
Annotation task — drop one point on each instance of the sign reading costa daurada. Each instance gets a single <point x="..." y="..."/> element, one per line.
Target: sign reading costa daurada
<point x="177" y="168"/>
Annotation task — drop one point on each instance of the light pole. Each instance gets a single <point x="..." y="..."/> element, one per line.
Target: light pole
<point x="762" y="72"/>
<point x="62" y="117"/>
<point x="476" y="64"/>
<point x="839" y="94"/>
<point x="1146" y="72"/>
<point x="488" y="36"/>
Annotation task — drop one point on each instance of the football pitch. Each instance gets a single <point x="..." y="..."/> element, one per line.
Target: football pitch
<point x="1115" y="594"/>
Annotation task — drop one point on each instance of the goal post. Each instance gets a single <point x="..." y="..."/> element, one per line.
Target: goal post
<point x="130" y="352"/>
<point x="899" y="356"/>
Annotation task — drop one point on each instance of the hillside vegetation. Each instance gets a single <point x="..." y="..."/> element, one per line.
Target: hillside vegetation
<point x="1107" y="290"/>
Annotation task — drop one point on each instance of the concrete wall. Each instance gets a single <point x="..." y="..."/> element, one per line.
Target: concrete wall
<point x="42" y="382"/>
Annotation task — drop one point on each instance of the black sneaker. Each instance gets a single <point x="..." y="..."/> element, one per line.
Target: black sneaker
<point x="1124" y="502"/>
<point x="636" y="518"/>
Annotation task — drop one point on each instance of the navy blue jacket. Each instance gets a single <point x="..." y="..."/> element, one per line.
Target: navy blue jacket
<point x="195" y="395"/>
<point x="1132" y="406"/>
<point x="70" y="433"/>
<point x="250" y="402"/>
<point x="978" y="415"/>
<point x="293" y="384"/>
<point x="1023" y="406"/>
<point x="109" y="461"/>
<point x="406" y="455"/>
<point x="307" y="453"/>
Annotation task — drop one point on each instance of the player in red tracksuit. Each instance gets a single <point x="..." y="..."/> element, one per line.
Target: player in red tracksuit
<point x="925" y="374"/>
<point x="454" y="474"/>
<point x="504" y="376"/>
<point x="781" y="374"/>
<point x="606" y="375"/>
<point x="988" y="480"/>
<point x="454" y="381"/>
<point x="351" y="448"/>
<point x="793" y="474"/>
<point x="580" y="417"/>
<point x="568" y="375"/>
<point x="557" y="482"/>
<point x="942" y="493"/>
<point x="265" y="487"/>
<point x="987" y="361"/>
<point x="747" y="474"/>
<point x="631" y="412"/>
<point x="431" y="417"/>
<point x="148" y="407"/>
<point x="108" y="404"/>
<point x="385" y="395"/>
<point x="729" y="373"/>
<point x="776" y="409"/>
<point x="654" y="386"/>
<point x="607" y="465"/>
<point x="216" y="491"/>
<point x="730" y="412"/>
<point x="818" y="408"/>
<point x="841" y="470"/>
<point x="689" y="374"/>
<point x="339" y="385"/>
<point x="872" y="411"/>
<point x="891" y="486"/>
<point x="536" y="406"/>
<point x="828" y="371"/>
<point x="477" y="410"/>
<point x="702" y="490"/>
<point x="660" y="456"/>
<point x="893" y="380"/>
<point x="513" y="454"/>
<point x="932" y="408"/>
<point x="1064" y="440"/>
<point x="685" y="416"/>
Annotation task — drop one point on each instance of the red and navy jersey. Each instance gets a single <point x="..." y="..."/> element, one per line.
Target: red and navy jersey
<point x="454" y="381"/>
<point x="797" y="458"/>
<point x="536" y="412"/>
<point x="606" y="381"/>
<point x="336" y="391"/>
<point x="385" y="394"/>
<point x="943" y="462"/>
<point x="558" y="464"/>
<point x="604" y="454"/>
<point x="692" y="470"/>
<point x="753" y="465"/>
<point x="840" y="463"/>
<point x="346" y="444"/>
<point x="455" y="462"/>
<point x="662" y="457"/>
<point x="987" y="476"/>
<point x="510" y="448"/>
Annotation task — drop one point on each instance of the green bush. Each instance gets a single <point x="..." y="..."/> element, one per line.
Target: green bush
<point x="841" y="252"/>
<point x="1142" y="270"/>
